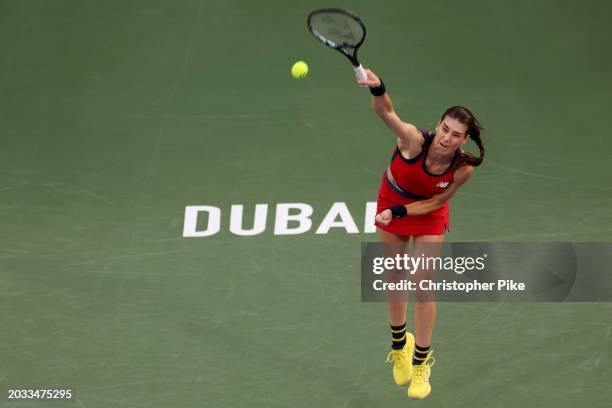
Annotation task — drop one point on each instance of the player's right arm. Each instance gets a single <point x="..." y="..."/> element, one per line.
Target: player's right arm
<point x="407" y="134"/>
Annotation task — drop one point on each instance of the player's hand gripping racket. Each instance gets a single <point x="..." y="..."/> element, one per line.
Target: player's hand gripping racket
<point x="340" y="30"/>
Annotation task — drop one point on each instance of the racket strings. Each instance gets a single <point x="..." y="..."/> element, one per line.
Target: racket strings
<point x="338" y="29"/>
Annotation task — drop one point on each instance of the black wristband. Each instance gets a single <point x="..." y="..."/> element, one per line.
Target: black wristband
<point x="398" y="211"/>
<point x="379" y="90"/>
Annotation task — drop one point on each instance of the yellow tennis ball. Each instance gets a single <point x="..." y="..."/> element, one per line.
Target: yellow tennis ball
<point x="299" y="70"/>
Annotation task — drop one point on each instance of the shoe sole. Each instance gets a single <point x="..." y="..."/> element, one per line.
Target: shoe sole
<point x="415" y="398"/>
<point x="420" y="398"/>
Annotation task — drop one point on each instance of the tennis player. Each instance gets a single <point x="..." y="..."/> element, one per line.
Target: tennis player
<point x="426" y="169"/>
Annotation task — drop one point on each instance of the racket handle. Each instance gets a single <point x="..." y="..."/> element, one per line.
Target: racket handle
<point x="360" y="72"/>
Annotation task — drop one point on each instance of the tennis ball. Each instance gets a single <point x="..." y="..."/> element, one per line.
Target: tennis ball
<point x="299" y="70"/>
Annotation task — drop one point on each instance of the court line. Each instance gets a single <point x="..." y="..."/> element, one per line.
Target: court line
<point x="128" y="256"/>
<point x="530" y="236"/>
<point x="602" y="350"/>
<point x="165" y="115"/>
<point x="477" y="324"/>
<point x="297" y="326"/>
<point x="83" y="192"/>
<point x="524" y="172"/>
<point x="162" y="126"/>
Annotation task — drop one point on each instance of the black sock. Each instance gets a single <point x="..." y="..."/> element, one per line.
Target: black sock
<point x="399" y="336"/>
<point x="420" y="354"/>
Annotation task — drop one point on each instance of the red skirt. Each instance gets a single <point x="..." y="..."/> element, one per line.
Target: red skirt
<point x="434" y="223"/>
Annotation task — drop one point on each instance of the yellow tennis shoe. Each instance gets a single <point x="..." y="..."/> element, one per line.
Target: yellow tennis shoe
<point x="419" y="386"/>
<point x="402" y="361"/>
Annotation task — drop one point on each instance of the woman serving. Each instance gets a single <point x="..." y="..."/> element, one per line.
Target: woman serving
<point x="426" y="169"/>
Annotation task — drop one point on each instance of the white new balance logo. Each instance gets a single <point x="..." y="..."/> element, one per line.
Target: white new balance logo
<point x="443" y="184"/>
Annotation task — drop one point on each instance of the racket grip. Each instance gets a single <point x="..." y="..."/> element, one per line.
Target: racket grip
<point x="360" y="72"/>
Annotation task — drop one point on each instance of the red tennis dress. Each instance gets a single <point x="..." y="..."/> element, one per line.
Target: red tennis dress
<point x="413" y="182"/>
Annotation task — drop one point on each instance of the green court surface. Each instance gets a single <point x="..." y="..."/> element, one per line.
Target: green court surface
<point x="116" y="115"/>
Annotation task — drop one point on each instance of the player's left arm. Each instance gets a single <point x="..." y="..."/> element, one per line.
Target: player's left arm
<point x="461" y="176"/>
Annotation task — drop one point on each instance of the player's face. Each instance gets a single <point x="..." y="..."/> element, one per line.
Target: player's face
<point x="450" y="134"/>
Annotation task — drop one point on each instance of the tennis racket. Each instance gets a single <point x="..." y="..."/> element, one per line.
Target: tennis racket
<point x="340" y="30"/>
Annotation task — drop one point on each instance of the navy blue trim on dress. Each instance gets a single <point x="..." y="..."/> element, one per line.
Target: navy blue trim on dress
<point x="395" y="187"/>
<point x="428" y="142"/>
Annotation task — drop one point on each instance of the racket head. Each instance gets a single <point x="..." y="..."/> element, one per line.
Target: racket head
<point x="338" y="29"/>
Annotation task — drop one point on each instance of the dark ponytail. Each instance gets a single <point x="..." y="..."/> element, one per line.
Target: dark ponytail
<point x="464" y="116"/>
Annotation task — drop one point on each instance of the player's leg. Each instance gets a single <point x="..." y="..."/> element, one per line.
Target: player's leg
<point x="402" y="345"/>
<point x="397" y="308"/>
<point x="424" y="318"/>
